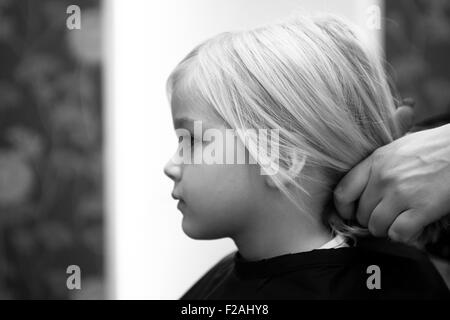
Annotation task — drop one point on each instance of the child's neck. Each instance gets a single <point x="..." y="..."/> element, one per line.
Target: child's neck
<point x="287" y="233"/>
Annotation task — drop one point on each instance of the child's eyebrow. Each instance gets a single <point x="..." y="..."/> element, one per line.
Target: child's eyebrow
<point x="183" y="122"/>
<point x="188" y="123"/>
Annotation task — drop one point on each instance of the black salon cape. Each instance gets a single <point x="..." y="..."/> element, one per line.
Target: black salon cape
<point x="340" y="273"/>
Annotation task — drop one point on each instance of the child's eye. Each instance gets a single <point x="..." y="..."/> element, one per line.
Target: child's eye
<point x="193" y="140"/>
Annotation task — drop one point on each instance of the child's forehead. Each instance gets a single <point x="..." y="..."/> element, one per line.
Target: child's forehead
<point x="189" y="105"/>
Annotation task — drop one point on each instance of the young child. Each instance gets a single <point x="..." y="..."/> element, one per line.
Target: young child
<point x="321" y="90"/>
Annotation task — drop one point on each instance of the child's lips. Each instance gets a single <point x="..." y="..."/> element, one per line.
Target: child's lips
<point x="180" y="205"/>
<point x="176" y="196"/>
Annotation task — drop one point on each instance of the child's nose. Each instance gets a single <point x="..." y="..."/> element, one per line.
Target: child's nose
<point x="172" y="170"/>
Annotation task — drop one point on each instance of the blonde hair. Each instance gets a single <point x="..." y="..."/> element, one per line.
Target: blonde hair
<point x="313" y="78"/>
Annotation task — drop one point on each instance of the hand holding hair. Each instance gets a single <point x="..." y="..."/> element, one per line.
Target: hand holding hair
<point x="402" y="187"/>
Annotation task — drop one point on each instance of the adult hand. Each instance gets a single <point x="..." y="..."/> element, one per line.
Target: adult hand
<point x="403" y="186"/>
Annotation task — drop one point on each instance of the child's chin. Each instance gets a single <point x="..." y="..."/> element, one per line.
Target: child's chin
<point x="198" y="232"/>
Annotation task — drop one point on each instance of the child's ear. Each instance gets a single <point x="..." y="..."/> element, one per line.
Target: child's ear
<point x="297" y="164"/>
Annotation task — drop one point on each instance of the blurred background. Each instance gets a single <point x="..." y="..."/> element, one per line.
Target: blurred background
<point x="417" y="45"/>
<point x="51" y="209"/>
<point x="65" y="108"/>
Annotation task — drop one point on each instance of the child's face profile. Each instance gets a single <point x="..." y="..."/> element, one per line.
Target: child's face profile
<point x="217" y="200"/>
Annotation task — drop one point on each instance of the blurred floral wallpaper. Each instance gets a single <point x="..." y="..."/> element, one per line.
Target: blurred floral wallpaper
<point x="51" y="209"/>
<point x="417" y="40"/>
<point x="418" y="51"/>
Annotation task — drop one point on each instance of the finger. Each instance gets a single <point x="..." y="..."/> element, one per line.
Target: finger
<point x="383" y="216"/>
<point x="404" y="119"/>
<point x="370" y="198"/>
<point x="407" y="226"/>
<point x="350" y="188"/>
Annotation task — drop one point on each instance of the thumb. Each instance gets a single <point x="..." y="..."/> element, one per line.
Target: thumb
<point x="404" y="119"/>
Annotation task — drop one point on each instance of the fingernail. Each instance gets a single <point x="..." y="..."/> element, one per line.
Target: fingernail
<point x="409" y="101"/>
